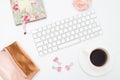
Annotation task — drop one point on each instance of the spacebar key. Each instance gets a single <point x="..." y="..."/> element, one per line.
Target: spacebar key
<point x="69" y="43"/>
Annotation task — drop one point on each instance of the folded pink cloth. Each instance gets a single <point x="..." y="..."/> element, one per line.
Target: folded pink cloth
<point x="15" y="64"/>
<point x="24" y="63"/>
<point x="9" y="70"/>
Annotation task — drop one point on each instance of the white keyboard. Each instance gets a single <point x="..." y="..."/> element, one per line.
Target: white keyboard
<point x="66" y="32"/>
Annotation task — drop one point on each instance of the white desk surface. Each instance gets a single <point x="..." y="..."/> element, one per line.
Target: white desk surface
<point x="108" y="13"/>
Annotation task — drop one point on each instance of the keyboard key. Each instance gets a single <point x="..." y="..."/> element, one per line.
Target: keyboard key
<point x="34" y="36"/>
<point x="45" y="42"/>
<point x="76" y="31"/>
<point x="87" y="22"/>
<point x="37" y="39"/>
<point x="39" y="34"/>
<point x="74" y="27"/>
<point x="47" y="36"/>
<point x="69" y="43"/>
<point x="70" y="23"/>
<point x="67" y="39"/>
<point x="72" y="32"/>
<point x="50" y="50"/>
<point x="34" y="31"/>
<point x="62" y="22"/>
<point x="49" y="45"/>
<point x="53" y="29"/>
<point x="61" y="26"/>
<point x="63" y="40"/>
<point x="61" y="31"/>
<point x="58" y="42"/>
<point x="68" y="33"/>
<point x="54" y="39"/>
<point x="93" y="16"/>
<point x="87" y="17"/>
<point x="50" y="40"/>
<point x="72" y="37"/>
<point x="83" y="39"/>
<point x="57" y="23"/>
<point x="40" y="49"/>
<point x="66" y="25"/>
<point x="53" y="25"/>
<point x="87" y="37"/>
<point x="45" y="51"/>
<point x="55" y="48"/>
<point x="82" y="24"/>
<point x="44" y="47"/>
<point x="39" y="44"/>
<point x="42" y="38"/>
<point x="83" y="19"/>
<point x="76" y="36"/>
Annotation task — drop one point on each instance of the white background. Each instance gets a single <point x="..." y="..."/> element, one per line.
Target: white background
<point x="108" y="13"/>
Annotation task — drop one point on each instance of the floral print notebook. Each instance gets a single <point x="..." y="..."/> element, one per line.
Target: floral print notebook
<point x="25" y="11"/>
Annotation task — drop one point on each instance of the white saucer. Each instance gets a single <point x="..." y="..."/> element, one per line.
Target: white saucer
<point x="90" y="69"/>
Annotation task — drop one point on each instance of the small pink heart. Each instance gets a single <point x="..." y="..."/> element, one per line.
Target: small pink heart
<point x="55" y="59"/>
<point x="67" y="67"/>
<point x="59" y="69"/>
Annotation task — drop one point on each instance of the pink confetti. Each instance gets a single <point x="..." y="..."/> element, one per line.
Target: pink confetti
<point x="55" y="59"/>
<point x="67" y="67"/>
<point x="59" y="69"/>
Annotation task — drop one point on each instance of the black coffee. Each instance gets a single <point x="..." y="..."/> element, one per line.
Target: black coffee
<point x="98" y="57"/>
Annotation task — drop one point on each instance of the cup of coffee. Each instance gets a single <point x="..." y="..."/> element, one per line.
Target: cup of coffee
<point x="99" y="57"/>
<point x="95" y="61"/>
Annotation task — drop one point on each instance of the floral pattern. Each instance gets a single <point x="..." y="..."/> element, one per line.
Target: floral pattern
<point x="25" y="11"/>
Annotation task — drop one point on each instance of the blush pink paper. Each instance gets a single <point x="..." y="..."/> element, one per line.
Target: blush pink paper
<point x="8" y="69"/>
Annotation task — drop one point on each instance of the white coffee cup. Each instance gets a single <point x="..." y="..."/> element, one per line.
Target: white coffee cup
<point x="91" y="69"/>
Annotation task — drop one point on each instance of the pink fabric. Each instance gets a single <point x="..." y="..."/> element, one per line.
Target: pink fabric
<point x="8" y="69"/>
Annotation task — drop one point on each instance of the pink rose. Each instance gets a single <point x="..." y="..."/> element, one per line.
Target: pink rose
<point x="26" y="18"/>
<point x="15" y="7"/>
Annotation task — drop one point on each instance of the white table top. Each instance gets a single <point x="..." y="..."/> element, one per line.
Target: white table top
<point x="108" y="14"/>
